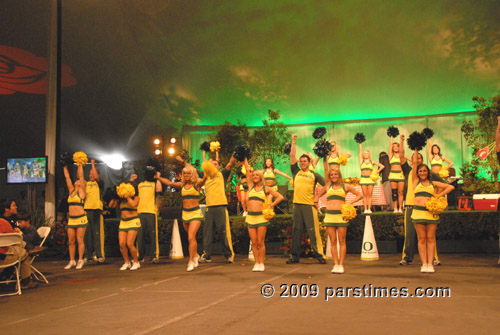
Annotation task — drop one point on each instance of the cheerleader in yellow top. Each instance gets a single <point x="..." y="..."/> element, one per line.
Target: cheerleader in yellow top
<point x="436" y="159"/>
<point x="396" y="176"/>
<point x="336" y="191"/>
<point x="128" y="229"/>
<point x="425" y="223"/>
<point x="257" y="224"/>
<point x="367" y="169"/>
<point x="333" y="158"/>
<point x="77" y="221"/>
<point x="270" y="176"/>
<point x="192" y="215"/>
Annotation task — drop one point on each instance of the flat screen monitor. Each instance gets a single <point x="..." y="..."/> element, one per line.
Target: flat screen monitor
<point x="26" y="170"/>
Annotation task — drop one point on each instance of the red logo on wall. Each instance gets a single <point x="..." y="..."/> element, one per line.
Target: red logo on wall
<point x="22" y="71"/>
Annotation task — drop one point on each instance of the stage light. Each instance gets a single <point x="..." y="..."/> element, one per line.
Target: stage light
<point x="173" y="140"/>
<point x="171" y="151"/>
<point x="114" y="161"/>
<point x="157" y="152"/>
<point x="156" y="141"/>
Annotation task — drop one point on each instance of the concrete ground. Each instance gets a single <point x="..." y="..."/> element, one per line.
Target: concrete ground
<point x="220" y="298"/>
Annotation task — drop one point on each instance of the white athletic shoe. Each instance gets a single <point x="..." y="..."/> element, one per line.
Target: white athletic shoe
<point x="423" y="269"/>
<point x="79" y="264"/>
<point x="256" y="268"/>
<point x="430" y="268"/>
<point x="365" y="211"/>
<point x="70" y="265"/>
<point x="125" y="266"/>
<point x="369" y="211"/>
<point x="195" y="260"/>
<point x="335" y="269"/>
<point x="340" y="269"/>
<point x="135" y="266"/>
<point x="396" y="210"/>
<point x="190" y="266"/>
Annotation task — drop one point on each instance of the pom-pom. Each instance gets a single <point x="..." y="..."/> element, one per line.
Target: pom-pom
<point x="444" y="173"/>
<point x="291" y="182"/>
<point x="348" y="212"/>
<point x="319" y="132"/>
<point x="322" y="148"/>
<point x="287" y="148"/>
<point x="374" y="176"/>
<point x="436" y="206"/>
<point x="359" y="138"/>
<point x="125" y="190"/>
<point x="205" y="146"/>
<point x="392" y="131"/>
<point x="242" y="152"/>
<point x="428" y="133"/>
<point x="214" y="146"/>
<point x="343" y="160"/>
<point x="209" y="169"/>
<point x="267" y="211"/>
<point x="66" y="159"/>
<point x="80" y="158"/>
<point x="416" y="140"/>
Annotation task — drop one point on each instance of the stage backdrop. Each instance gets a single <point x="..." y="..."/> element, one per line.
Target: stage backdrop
<point x="446" y="128"/>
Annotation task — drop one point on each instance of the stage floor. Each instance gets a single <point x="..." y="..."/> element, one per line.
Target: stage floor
<point x="220" y="298"/>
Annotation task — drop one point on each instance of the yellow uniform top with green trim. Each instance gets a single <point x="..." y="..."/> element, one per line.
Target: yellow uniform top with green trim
<point x="269" y="175"/>
<point x="335" y="194"/>
<point x="257" y="195"/>
<point x="215" y="189"/>
<point x="333" y="162"/>
<point x="75" y="200"/>
<point x="367" y="167"/>
<point x="93" y="198"/>
<point x="147" y="198"/>
<point x="436" y="162"/>
<point x="190" y="193"/>
<point x="304" y="183"/>
<point x="424" y="191"/>
<point x="395" y="161"/>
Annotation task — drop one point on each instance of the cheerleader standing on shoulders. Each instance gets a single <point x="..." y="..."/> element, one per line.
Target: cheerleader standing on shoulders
<point x="77" y="221"/>
<point x="396" y="177"/>
<point x="436" y="159"/>
<point x="270" y="176"/>
<point x="366" y="164"/>
<point x="336" y="191"/>
<point x="333" y="158"/>
<point x="192" y="215"/>
<point x="129" y="225"/>
<point x="425" y="222"/>
<point x="257" y="223"/>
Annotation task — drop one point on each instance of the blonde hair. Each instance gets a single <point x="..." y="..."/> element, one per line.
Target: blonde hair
<point x="260" y="174"/>
<point x="194" y="174"/>
<point x="334" y="169"/>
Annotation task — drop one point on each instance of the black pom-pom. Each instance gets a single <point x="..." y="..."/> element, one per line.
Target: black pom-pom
<point x="319" y="132"/>
<point x="359" y="138"/>
<point x="66" y="159"/>
<point x="242" y="152"/>
<point x="205" y="146"/>
<point x="392" y="131"/>
<point x="417" y="141"/>
<point x="287" y="148"/>
<point x="428" y="133"/>
<point x="322" y="148"/>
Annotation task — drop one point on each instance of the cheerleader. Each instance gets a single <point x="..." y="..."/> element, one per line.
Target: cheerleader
<point x="367" y="169"/>
<point x="425" y="223"/>
<point x="396" y="177"/>
<point x="436" y="159"/>
<point x="336" y="191"/>
<point x="257" y="223"/>
<point x="192" y="215"/>
<point x="241" y="174"/>
<point x="129" y="227"/>
<point x="270" y="173"/>
<point x="333" y="158"/>
<point x="77" y="221"/>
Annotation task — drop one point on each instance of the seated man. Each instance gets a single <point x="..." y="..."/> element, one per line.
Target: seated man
<point x="30" y="234"/>
<point x="8" y="254"/>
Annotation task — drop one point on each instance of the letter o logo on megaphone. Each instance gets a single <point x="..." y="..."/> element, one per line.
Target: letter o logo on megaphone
<point x="368" y="246"/>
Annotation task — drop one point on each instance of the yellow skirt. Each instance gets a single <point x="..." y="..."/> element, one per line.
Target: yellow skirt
<point x="256" y="219"/>
<point x="77" y="221"/>
<point x="420" y="214"/>
<point x="333" y="218"/>
<point x="396" y="176"/>
<point x="127" y="224"/>
<point x="192" y="214"/>
<point x="366" y="181"/>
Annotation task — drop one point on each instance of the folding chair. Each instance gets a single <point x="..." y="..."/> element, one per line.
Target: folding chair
<point x="44" y="233"/>
<point x="7" y="240"/>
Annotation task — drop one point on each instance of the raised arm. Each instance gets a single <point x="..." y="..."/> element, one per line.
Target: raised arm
<point x="360" y="154"/>
<point x="230" y="164"/>
<point x="293" y="156"/>
<point x="67" y="177"/>
<point x="326" y="170"/>
<point x="82" y="189"/>
<point x="248" y="174"/>
<point x="402" y="157"/>
<point x="429" y="150"/>
<point x="414" y="172"/>
<point x="389" y="152"/>
<point x="95" y="172"/>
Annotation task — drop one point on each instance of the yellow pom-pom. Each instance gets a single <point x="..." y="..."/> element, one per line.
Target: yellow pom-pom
<point x="214" y="146"/>
<point x="291" y="182"/>
<point x="343" y="160"/>
<point x="374" y="176"/>
<point x="268" y="213"/>
<point x="444" y="173"/>
<point x="436" y="206"/>
<point x="347" y="180"/>
<point x="243" y="170"/>
<point x="125" y="190"/>
<point x="348" y="212"/>
<point x="209" y="169"/>
<point x="80" y="158"/>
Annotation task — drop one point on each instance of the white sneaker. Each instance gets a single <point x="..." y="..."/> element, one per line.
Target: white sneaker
<point x="135" y="266"/>
<point x="245" y="213"/>
<point x="262" y="268"/>
<point x="125" y="266"/>
<point x="430" y="268"/>
<point x="369" y="211"/>
<point x="190" y="266"/>
<point x="423" y="269"/>
<point x="70" y="265"/>
<point x="195" y="260"/>
<point x="79" y="264"/>
<point x="436" y="262"/>
<point x="335" y="269"/>
<point x="256" y="268"/>
<point x="365" y="212"/>
<point x="396" y="210"/>
<point x="340" y="269"/>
